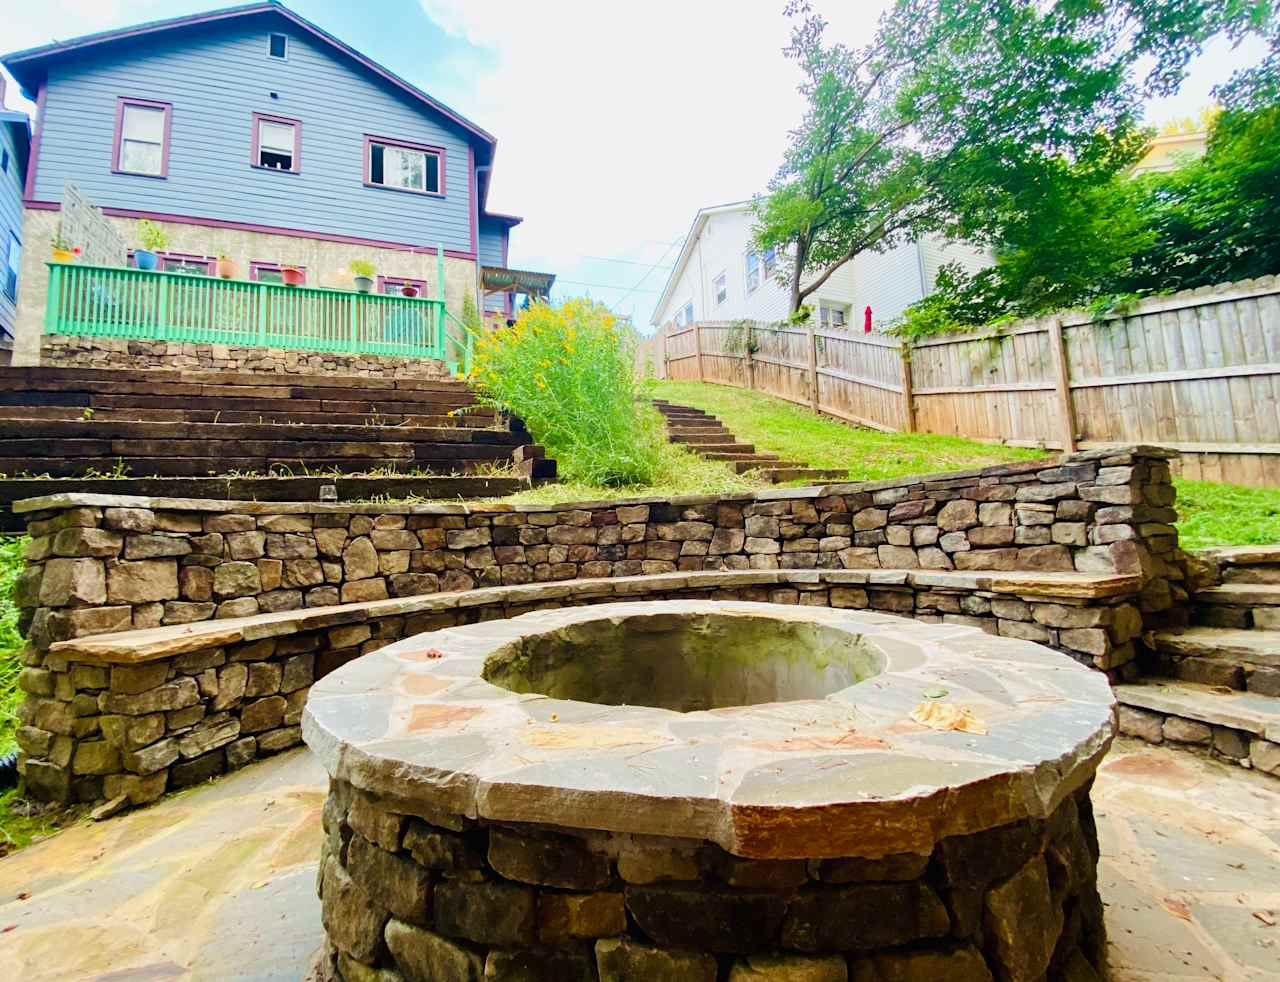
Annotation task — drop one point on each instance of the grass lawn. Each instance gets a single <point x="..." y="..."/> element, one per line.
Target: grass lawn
<point x="1212" y="514"/>
<point x="798" y="434"/>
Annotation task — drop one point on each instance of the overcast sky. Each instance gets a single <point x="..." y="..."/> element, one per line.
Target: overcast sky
<point x="615" y="120"/>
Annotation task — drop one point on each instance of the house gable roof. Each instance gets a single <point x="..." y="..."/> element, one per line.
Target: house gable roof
<point x="29" y="66"/>
<point x="690" y="240"/>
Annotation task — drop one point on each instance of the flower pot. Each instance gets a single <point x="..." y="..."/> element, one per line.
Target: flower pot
<point x="291" y="276"/>
<point x="146" y="259"/>
<point x="226" y="269"/>
<point x="364" y="284"/>
<point x="63" y="256"/>
<point x="409" y="291"/>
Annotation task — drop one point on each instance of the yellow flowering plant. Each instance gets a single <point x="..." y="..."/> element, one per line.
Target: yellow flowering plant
<point x="569" y="373"/>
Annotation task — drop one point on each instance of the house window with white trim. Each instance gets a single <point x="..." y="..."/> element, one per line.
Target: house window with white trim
<point x="834" y="316"/>
<point x="753" y="271"/>
<point x="276" y="143"/>
<point x="404" y="166"/>
<point x="144" y="137"/>
<point x="684" y="316"/>
<point x="720" y="287"/>
<point x="278" y="46"/>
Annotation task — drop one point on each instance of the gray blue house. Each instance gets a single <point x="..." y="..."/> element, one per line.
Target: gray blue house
<point x="15" y="141"/>
<point x="252" y="134"/>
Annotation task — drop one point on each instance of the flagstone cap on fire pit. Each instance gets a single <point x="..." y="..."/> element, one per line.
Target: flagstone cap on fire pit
<point x="772" y="730"/>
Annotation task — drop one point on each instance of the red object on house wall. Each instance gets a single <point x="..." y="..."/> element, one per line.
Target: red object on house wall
<point x="866" y="321"/>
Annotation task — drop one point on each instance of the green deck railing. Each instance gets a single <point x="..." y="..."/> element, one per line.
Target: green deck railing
<point x="101" y="301"/>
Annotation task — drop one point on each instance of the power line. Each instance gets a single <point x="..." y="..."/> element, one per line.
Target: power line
<point x="603" y="286"/>
<point x="677" y="241"/>
<point x="629" y="262"/>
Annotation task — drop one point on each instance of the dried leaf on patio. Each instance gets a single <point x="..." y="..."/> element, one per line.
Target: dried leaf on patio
<point x="948" y="716"/>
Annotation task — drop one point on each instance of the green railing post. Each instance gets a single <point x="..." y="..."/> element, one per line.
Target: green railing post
<point x="53" y="302"/>
<point x="441" y="341"/>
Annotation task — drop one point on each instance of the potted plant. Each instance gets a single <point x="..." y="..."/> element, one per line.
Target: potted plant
<point x="63" y="251"/>
<point x="291" y="275"/>
<point x="226" y="267"/>
<point x="408" y="290"/>
<point x="153" y="241"/>
<point x="362" y="270"/>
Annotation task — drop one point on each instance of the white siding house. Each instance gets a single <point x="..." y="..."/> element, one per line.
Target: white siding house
<point x="719" y="277"/>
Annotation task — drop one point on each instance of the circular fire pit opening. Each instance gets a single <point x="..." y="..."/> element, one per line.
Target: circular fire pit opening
<point x="685" y="663"/>
<point x="692" y="790"/>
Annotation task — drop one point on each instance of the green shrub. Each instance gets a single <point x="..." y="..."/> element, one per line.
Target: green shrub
<point x="10" y="641"/>
<point x="569" y="373"/>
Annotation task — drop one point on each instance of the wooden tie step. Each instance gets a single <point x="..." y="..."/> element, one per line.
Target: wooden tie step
<point x="711" y="439"/>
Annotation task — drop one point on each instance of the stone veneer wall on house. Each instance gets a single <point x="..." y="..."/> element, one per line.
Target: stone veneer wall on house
<point x="319" y="257"/>
<point x="129" y="716"/>
<point x="68" y="351"/>
<point x="439" y="896"/>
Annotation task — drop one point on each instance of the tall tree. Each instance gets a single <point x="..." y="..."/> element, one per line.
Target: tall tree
<point x="956" y="101"/>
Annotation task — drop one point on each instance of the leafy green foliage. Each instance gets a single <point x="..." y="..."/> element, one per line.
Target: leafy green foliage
<point x="569" y="372"/>
<point x="10" y="640"/>
<point x="958" y="108"/>
<point x="152" y="236"/>
<point x="1079" y="237"/>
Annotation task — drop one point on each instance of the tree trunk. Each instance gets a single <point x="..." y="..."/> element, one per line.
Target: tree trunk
<point x="802" y="256"/>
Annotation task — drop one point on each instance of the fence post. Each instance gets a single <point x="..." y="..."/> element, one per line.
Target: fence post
<point x="908" y="396"/>
<point x="751" y="365"/>
<point x="813" y="369"/>
<point x="1062" y="381"/>
<point x="697" y="350"/>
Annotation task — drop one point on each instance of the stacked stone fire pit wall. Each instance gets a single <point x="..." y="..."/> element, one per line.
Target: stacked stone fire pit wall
<point x="132" y="715"/>
<point x="449" y="897"/>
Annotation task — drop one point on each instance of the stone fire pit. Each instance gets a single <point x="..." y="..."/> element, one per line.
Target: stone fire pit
<point x="677" y="790"/>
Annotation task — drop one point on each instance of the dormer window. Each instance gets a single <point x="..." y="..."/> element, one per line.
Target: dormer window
<point x="278" y="46"/>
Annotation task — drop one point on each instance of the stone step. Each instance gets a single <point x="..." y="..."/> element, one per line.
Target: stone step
<point x="1241" y="726"/>
<point x="700" y="436"/>
<point x="741" y="466"/>
<point x="1238" y="659"/>
<point x="729" y="448"/>
<point x="1238" y="605"/>
<point x="749" y="458"/>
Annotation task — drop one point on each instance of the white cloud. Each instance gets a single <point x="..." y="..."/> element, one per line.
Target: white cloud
<point x="615" y="122"/>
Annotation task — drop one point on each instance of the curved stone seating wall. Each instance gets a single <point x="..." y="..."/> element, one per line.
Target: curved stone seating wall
<point x="99" y="563"/>
<point x="134" y="714"/>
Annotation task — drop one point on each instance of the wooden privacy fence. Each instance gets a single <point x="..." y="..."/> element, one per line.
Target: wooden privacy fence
<point x="1198" y="372"/>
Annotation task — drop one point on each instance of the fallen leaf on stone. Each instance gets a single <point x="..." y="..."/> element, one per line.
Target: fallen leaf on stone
<point x="1265" y="917"/>
<point x="1177" y="908"/>
<point x="948" y="716"/>
<point x="1222" y="690"/>
<point x="937" y="692"/>
<point x="7" y="929"/>
<point x="434" y="653"/>
<point x="23" y="896"/>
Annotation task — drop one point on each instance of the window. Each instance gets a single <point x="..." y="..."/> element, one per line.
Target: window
<point x="178" y="262"/>
<point x="278" y="46"/>
<point x="684" y="316"/>
<point x="392" y="284"/>
<point x="403" y="166"/>
<point x="721" y="288"/>
<point x="265" y="272"/>
<point x="142" y="137"/>
<point x="277" y="143"/>
<point x="753" y="271"/>
<point x="833" y="315"/>
<point x="13" y="263"/>
<point x="770" y="261"/>
<point x="4" y="161"/>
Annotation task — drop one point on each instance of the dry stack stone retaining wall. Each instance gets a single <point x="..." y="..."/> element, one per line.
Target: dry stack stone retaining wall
<point x="440" y="896"/>
<point x="68" y="351"/>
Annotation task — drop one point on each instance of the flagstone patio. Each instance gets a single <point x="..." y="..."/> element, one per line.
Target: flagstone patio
<point x="219" y="883"/>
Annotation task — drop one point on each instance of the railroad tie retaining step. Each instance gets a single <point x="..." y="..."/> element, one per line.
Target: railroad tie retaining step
<point x="707" y="436"/>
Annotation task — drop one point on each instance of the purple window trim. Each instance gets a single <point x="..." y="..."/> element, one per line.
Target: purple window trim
<point x="33" y="151"/>
<point x="254" y="142"/>
<point x="395" y="282"/>
<point x="296" y="233"/>
<point x="370" y="139"/>
<point x="506" y="241"/>
<point x="256" y="266"/>
<point x="183" y="257"/>
<point x="123" y="101"/>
